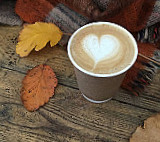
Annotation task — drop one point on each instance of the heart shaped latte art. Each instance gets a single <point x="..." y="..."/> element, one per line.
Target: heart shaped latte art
<point x="100" y="48"/>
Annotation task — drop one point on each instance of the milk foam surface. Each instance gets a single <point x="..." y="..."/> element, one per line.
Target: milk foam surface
<point x="102" y="49"/>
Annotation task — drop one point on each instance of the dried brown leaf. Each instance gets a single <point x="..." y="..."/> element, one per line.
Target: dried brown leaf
<point x="38" y="86"/>
<point x="150" y="132"/>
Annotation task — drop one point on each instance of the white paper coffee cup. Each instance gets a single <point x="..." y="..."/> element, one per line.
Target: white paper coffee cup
<point x="100" y="88"/>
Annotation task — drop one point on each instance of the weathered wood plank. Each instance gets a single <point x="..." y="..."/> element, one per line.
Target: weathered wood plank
<point x="67" y="117"/>
<point x="57" y="58"/>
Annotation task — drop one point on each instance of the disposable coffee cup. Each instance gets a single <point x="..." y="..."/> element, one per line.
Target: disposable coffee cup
<point x="99" y="88"/>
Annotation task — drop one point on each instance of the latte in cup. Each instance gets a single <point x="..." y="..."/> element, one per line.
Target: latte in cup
<point x="101" y="53"/>
<point x="102" y="49"/>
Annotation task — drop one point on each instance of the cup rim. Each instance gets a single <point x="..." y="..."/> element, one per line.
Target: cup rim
<point x="109" y="74"/>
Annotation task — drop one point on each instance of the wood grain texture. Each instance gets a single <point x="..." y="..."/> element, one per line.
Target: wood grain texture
<point x="68" y="117"/>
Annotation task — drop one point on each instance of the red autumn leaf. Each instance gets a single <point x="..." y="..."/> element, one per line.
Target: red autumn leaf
<point x="38" y="86"/>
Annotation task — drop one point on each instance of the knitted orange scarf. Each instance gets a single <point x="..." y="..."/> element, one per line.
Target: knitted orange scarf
<point x="131" y="14"/>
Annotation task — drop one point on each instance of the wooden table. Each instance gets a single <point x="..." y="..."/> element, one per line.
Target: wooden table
<point x="68" y="117"/>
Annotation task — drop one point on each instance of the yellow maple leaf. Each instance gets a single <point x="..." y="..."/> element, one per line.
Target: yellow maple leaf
<point x="37" y="36"/>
